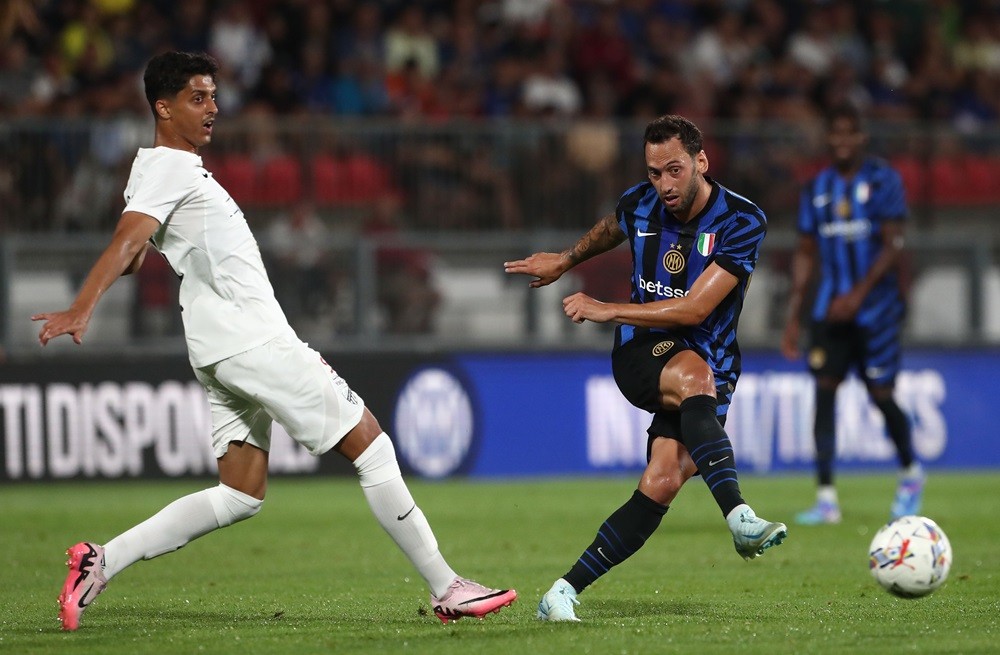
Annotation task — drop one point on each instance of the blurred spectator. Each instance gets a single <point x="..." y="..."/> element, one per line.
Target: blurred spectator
<point x="297" y="256"/>
<point x="549" y="89"/>
<point x="405" y="289"/>
<point x="409" y="44"/>
<point x="238" y="43"/>
<point x="433" y="62"/>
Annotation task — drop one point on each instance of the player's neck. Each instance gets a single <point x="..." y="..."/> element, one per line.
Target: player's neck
<point x="847" y="170"/>
<point x="168" y="139"/>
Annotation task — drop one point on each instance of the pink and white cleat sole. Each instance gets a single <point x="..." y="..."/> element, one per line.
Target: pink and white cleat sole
<point x="83" y="583"/>
<point x="469" y="598"/>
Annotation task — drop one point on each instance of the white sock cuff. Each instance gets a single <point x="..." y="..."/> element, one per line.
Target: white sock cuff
<point x="232" y="506"/>
<point x="377" y="464"/>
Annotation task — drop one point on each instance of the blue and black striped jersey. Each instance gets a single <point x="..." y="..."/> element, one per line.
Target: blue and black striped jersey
<point x="846" y="218"/>
<point x="668" y="256"/>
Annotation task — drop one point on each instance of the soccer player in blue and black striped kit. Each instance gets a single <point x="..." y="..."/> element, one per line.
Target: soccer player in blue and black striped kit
<point x="851" y="219"/>
<point x="694" y="246"/>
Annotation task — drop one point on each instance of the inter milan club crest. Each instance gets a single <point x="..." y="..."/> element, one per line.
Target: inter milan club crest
<point x="673" y="261"/>
<point x="706" y="243"/>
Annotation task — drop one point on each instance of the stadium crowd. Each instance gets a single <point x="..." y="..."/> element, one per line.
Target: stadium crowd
<point x="400" y="115"/>
<point x="441" y="59"/>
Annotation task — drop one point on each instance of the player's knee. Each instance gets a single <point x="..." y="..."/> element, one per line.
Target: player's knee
<point x="661" y="486"/>
<point x="377" y="464"/>
<point x="881" y="394"/>
<point x="232" y="506"/>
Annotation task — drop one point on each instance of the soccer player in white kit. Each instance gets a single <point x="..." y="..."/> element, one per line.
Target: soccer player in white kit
<point x="243" y="351"/>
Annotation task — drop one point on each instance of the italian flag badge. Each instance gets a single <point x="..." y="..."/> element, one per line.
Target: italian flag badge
<point x="706" y="244"/>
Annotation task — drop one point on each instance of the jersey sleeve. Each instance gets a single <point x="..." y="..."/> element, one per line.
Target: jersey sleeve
<point x="740" y="244"/>
<point x="890" y="204"/>
<point x="807" y="215"/>
<point x="158" y="190"/>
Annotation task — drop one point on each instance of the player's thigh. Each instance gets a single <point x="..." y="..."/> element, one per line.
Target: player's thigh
<point x="832" y="349"/>
<point x="684" y="376"/>
<point x="235" y="418"/>
<point x="298" y="389"/>
<point x="880" y="353"/>
<point x="638" y="365"/>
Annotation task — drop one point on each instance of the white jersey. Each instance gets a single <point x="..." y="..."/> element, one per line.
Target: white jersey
<point x="227" y="301"/>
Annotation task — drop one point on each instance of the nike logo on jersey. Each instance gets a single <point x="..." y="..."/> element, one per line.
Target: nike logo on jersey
<point x="403" y="516"/>
<point x="640" y="233"/>
<point x="718" y="461"/>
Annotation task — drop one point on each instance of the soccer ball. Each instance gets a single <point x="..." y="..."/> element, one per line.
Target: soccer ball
<point x="910" y="556"/>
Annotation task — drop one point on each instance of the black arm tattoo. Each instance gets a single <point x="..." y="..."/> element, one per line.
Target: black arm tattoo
<point x="604" y="236"/>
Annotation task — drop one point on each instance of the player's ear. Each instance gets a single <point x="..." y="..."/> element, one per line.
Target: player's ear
<point x="162" y="109"/>
<point x="701" y="162"/>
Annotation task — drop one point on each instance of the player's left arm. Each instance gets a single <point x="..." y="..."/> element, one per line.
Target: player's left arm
<point x="846" y="306"/>
<point x="710" y="289"/>
<point x="889" y="213"/>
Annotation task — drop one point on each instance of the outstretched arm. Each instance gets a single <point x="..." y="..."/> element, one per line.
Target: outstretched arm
<point x="122" y="256"/>
<point x="547" y="267"/>
<point x="710" y="289"/>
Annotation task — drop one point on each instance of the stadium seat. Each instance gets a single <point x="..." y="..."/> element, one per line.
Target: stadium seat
<point x="237" y="173"/>
<point x="279" y="181"/>
<point x="946" y="182"/>
<point x="329" y="180"/>
<point x="982" y="174"/>
<point x="914" y="173"/>
<point x="365" y="178"/>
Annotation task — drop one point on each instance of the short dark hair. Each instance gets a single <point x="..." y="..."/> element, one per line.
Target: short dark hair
<point x="845" y="112"/>
<point x="664" y="128"/>
<point x="169" y="72"/>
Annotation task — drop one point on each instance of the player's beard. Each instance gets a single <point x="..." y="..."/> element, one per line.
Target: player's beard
<point x="687" y="197"/>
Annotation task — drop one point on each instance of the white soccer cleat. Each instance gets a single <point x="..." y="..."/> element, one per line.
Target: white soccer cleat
<point x="753" y="535"/>
<point x="557" y="603"/>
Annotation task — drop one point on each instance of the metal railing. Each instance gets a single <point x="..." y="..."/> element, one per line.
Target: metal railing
<point x="369" y="293"/>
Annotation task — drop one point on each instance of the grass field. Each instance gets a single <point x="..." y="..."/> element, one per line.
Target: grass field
<point x="313" y="573"/>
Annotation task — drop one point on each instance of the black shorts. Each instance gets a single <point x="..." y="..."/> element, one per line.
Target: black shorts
<point x="637" y="366"/>
<point x="837" y="348"/>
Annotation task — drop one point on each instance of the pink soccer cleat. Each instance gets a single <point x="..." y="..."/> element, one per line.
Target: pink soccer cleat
<point x="84" y="582"/>
<point x="468" y="598"/>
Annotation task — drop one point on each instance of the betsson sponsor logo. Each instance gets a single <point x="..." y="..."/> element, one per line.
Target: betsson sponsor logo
<point x="654" y="286"/>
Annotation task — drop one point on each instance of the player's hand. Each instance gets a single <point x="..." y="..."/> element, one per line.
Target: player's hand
<point x="580" y="307"/>
<point x="790" y="340"/>
<point x="547" y="267"/>
<point x="69" y="322"/>
<point x="844" y="307"/>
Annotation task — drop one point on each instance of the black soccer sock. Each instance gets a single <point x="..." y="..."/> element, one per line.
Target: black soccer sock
<point x="824" y="434"/>
<point x="898" y="427"/>
<point x="711" y="450"/>
<point x="623" y="533"/>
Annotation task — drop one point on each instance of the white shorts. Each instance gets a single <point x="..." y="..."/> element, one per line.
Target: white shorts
<point x="283" y="380"/>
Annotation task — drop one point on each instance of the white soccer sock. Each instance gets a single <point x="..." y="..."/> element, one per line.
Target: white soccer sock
<point x="398" y="514"/>
<point x="827" y="494"/>
<point x="175" y="525"/>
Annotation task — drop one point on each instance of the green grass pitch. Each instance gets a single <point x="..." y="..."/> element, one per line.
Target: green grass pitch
<point x="313" y="573"/>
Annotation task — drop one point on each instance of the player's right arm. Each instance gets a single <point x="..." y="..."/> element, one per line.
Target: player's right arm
<point x="803" y="265"/>
<point x="123" y="255"/>
<point x="547" y="267"/>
